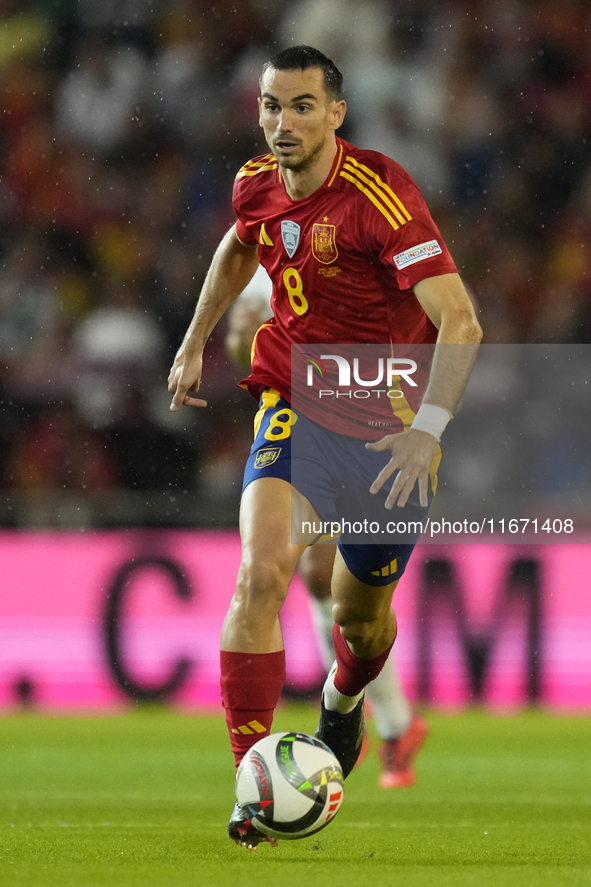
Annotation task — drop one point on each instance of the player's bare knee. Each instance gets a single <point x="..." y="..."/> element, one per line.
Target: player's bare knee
<point x="262" y="583"/>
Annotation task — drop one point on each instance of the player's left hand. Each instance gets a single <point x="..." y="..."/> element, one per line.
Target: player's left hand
<point x="412" y="455"/>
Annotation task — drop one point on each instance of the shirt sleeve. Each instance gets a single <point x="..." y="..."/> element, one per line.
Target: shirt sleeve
<point x="245" y="234"/>
<point x="402" y="231"/>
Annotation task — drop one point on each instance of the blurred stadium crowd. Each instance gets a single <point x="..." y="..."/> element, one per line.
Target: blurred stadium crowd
<point x="123" y="123"/>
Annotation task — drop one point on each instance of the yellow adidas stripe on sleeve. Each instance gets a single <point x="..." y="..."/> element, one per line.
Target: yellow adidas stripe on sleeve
<point x="381" y="184"/>
<point x="372" y="197"/>
<point x="255" y="172"/>
<point x="381" y="194"/>
<point x="264" y="159"/>
<point x="253" y="167"/>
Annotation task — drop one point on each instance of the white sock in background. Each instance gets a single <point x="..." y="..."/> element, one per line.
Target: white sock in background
<point x="323" y="623"/>
<point x="390" y="708"/>
<point x="389" y="705"/>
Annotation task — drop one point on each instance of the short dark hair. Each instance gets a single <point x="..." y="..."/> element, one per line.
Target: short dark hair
<point x="304" y="57"/>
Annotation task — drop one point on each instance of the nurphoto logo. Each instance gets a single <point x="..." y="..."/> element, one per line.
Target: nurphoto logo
<point x="391" y="370"/>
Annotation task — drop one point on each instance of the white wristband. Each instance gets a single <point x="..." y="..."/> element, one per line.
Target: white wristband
<point x="432" y="419"/>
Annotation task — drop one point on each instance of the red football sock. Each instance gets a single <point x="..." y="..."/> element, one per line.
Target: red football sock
<point x="251" y="686"/>
<point x="353" y="673"/>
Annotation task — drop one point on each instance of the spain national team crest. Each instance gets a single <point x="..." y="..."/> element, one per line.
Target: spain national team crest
<point x="324" y="244"/>
<point x="290" y="234"/>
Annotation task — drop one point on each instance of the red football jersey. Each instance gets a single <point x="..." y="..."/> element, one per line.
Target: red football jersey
<point x="343" y="261"/>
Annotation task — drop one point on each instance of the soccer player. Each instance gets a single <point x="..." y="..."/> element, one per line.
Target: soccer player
<point x="354" y="257"/>
<point x="401" y="731"/>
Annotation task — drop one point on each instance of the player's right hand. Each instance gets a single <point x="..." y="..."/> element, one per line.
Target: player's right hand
<point x="184" y="380"/>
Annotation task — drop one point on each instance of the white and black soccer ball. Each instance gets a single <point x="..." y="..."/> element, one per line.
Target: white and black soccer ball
<point x="290" y="785"/>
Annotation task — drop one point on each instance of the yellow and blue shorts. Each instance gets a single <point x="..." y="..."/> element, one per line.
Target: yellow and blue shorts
<point x="334" y="473"/>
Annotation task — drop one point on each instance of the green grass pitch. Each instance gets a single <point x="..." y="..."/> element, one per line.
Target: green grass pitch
<point x="142" y="800"/>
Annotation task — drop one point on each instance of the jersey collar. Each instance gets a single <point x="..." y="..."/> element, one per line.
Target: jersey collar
<point x="338" y="162"/>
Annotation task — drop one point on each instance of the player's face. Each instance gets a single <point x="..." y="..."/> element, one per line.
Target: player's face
<point x="297" y="116"/>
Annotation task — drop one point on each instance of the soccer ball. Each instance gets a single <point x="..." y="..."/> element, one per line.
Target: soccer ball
<point x="290" y="784"/>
